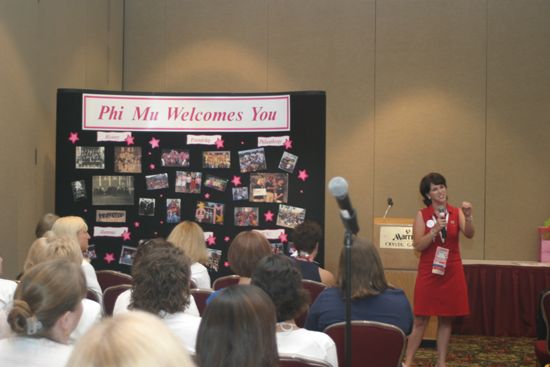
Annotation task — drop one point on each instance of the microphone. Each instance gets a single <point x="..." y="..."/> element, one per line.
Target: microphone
<point x="338" y="187"/>
<point x="442" y="214"/>
<point x="390" y="204"/>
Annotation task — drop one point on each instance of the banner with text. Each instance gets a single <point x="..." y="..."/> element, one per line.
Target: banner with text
<point x="185" y="113"/>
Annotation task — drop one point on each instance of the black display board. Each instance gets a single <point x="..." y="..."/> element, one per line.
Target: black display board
<point x="82" y="192"/>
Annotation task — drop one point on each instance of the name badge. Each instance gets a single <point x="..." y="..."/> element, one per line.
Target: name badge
<point x="440" y="260"/>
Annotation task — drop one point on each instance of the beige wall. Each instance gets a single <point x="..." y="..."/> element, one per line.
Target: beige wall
<point x="45" y="45"/>
<point x="460" y="87"/>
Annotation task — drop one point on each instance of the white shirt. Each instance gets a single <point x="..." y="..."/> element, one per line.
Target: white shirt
<point x="123" y="301"/>
<point x="7" y="289"/>
<point x="20" y="351"/>
<point x="199" y="275"/>
<point x="307" y="343"/>
<point x="91" y="279"/>
<point x="91" y="314"/>
<point x="185" y="326"/>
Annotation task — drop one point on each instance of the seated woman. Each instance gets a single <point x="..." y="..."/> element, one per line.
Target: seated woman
<point x="76" y="228"/>
<point x="62" y="247"/>
<point x="46" y="309"/>
<point x="281" y="280"/>
<point x="45" y="224"/>
<point x="306" y="237"/>
<point x="189" y="237"/>
<point x="238" y="330"/>
<point x="372" y="298"/>
<point x="161" y="287"/>
<point x="122" y="303"/>
<point x="245" y="252"/>
<point x="134" y="339"/>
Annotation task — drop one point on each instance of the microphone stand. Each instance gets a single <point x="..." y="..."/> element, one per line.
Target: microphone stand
<point x="348" y="237"/>
<point x="350" y="230"/>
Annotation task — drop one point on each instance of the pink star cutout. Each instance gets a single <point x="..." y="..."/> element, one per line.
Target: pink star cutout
<point x="226" y="264"/>
<point x="130" y="140"/>
<point x="236" y="181"/>
<point x="269" y="216"/>
<point x="152" y="166"/>
<point x="85" y="210"/>
<point x="283" y="237"/>
<point x="73" y="137"/>
<point x="207" y="196"/>
<point x="288" y="144"/>
<point x="126" y="236"/>
<point x="219" y="143"/>
<point x="154" y="142"/>
<point x="136" y="224"/>
<point x="226" y="238"/>
<point x="109" y="257"/>
<point x="211" y="240"/>
<point x="161" y="222"/>
<point x="302" y="175"/>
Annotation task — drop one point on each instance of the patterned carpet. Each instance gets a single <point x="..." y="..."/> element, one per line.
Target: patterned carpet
<point x="482" y="351"/>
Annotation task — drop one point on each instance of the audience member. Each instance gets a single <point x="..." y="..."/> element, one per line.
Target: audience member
<point x="36" y="252"/>
<point x="238" y="330"/>
<point x="77" y="228"/>
<point x="189" y="236"/>
<point x="122" y="303"/>
<point x="161" y="287"/>
<point x="277" y="276"/>
<point x="46" y="309"/>
<point x="63" y="247"/>
<point x="245" y="251"/>
<point x="134" y="339"/>
<point x="372" y="298"/>
<point x="45" y="224"/>
<point x="306" y="237"/>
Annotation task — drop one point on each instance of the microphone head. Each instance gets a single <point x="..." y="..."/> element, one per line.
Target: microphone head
<point x="390" y="201"/>
<point x="338" y="187"/>
<point x="442" y="210"/>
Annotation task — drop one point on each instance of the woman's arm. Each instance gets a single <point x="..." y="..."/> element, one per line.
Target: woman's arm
<point x="466" y="219"/>
<point x="422" y="241"/>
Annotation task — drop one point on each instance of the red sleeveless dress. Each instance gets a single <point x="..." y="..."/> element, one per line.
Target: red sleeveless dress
<point x="441" y="295"/>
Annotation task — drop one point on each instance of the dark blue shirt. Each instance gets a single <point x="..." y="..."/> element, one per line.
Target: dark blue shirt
<point x="390" y="307"/>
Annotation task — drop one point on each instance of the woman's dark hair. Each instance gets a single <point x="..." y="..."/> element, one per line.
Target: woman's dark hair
<point x="277" y="276"/>
<point x="306" y="236"/>
<point x="144" y="246"/>
<point x="46" y="291"/>
<point x="238" y="330"/>
<point x="161" y="281"/>
<point x="246" y="250"/>
<point x="367" y="275"/>
<point x="426" y="184"/>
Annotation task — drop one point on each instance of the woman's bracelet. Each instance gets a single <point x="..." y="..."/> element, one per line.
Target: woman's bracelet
<point x="470" y="218"/>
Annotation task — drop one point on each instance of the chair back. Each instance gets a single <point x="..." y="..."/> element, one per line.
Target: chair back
<point x="109" y="278"/>
<point x="201" y="295"/>
<point x="373" y="344"/>
<point x="110" y="294"/>
<point x="91" y="295"/>
<point x="314" y="288"/>
<point x="545" y="309"/>
<point x="297" y="361"/>
<point x="225" y="281"/>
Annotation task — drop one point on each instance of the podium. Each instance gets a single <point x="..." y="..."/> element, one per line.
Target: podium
<point x="393" y="239"/>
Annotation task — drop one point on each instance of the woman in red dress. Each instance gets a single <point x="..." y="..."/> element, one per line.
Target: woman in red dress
<point x="440" y="288"/>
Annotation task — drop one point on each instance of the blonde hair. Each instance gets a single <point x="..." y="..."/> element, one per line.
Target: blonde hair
<point x="130" y="339"/>
<point x="36" y="253"/>
<point x="69" y="226"/>
<point x="44" y="294"/>
<point x="63" y="247"/>
<point x="189" y="236"/>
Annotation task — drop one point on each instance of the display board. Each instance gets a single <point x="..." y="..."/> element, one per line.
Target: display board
<point x="133" y="165"/>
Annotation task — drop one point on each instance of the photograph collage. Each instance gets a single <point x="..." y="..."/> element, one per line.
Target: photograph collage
<point x="179" y="181"/>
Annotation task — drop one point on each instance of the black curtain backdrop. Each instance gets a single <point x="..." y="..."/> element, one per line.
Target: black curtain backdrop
<point x="308" y="143"/>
